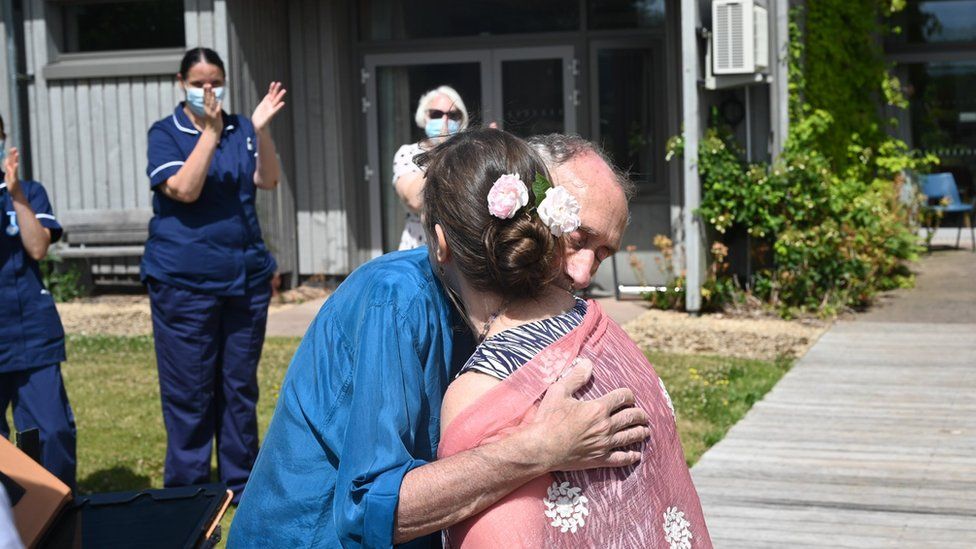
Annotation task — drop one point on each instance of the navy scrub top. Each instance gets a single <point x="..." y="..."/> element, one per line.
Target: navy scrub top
<point x="31" y="334"/>
<point x="212" y="245"/>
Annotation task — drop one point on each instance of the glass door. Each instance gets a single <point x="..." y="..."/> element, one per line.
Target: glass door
<point x="630" y="124"/>
<point x="526" y="91"/>
<point x="394" y="84"/>
<point x="534" y="90"/>
<point x="943" y="117"/>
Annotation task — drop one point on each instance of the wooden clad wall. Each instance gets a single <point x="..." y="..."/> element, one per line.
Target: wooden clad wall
<point x="258" y="41"/>
<point x="88" y="135"/>
<point x="327" y="183"/>
<point x="5" y="104"/>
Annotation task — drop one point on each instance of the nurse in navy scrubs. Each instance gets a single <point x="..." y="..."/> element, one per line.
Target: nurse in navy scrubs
<point x="31" y="336"/>
<point x="208" y="272"/>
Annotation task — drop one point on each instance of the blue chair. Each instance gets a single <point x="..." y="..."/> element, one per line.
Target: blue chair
<point x="942" y="185"/>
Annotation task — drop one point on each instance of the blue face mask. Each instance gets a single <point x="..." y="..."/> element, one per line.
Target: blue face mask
<point x="435" y="128"/>
<point x="3" y="151"/>
<point x="194" y="99"/>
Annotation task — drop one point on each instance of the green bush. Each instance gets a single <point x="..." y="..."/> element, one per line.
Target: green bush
<point x="831" y="204"/>
<point x="837" y="238"/>
<point x="64" y="282"/>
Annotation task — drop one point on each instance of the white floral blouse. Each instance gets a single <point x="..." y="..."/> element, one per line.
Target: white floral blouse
<point x="413" y="231"/>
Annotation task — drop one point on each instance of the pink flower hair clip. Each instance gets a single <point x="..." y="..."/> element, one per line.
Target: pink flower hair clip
<point x="507" y="196"/>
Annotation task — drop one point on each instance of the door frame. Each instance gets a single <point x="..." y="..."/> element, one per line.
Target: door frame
<point x="659" y="191"/>
<point x="490" y="60"/>
<point x="660" y="124"/>
<point x="372" y="169"/>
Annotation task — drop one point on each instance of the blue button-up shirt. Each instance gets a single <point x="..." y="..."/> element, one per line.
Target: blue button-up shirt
<point x="214" y="244"/>
<point x="30" y="328"/>
<point x="358" y="409"/>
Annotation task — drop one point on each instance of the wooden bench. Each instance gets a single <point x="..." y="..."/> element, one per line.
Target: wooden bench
<point x="105" y="245"/>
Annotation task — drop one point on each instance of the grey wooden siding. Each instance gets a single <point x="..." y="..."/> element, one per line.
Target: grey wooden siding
<point x="89" y="139"/>
<point x="325" y="188"/>
<point x="307" y="221"/>
<point x="258" y="40"/>
<point x="88" y="135"/>
<point x="5" y="104"/>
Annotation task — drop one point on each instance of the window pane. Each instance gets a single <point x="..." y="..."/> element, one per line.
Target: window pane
<point x="943" y="109"/>
<point x="937" y="21"/>
<point x="396" y="19"/>
<point x="532" y="97"/>
<point x="625" y="107"/>
<point x="124" y="26"/>
<point x="625" y="14"/>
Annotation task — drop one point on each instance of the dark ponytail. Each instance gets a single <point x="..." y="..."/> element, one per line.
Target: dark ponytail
<point x="198" y="55"/>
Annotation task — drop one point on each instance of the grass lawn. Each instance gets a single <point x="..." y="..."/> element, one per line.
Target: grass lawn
<point x="710" y="393"/>
<point x="114" y="391"/>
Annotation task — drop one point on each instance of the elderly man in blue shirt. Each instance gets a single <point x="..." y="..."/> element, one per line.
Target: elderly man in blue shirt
<point x="348" y="459"/>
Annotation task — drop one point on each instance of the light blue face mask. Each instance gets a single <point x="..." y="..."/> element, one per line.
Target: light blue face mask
<point x="194" y="99"/>
<point x="3" y="151"/>
<point x="435" y="128"/>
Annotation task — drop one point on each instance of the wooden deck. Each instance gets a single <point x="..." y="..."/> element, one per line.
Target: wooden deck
<point x="869" y="441"/>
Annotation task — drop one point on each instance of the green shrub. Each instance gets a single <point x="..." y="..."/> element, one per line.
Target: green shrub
<point x="64" y="282"/>
<point x="831" y="204"/>
<point x="718" y="290"/>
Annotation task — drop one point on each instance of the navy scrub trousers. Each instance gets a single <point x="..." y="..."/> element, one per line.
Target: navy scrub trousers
<point x="207" y="351"/>
<point x="32" y="342"/>
<point x="208" y="274"/>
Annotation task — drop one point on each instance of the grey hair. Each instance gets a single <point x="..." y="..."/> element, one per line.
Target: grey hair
<point x="420" y="117"/>
<point x="556" y="149"/>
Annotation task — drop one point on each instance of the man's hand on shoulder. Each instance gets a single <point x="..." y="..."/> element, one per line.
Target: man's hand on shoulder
<point x="571" y="434"/>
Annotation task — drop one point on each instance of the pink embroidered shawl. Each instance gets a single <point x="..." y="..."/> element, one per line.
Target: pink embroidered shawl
<point x="650" y="505"/>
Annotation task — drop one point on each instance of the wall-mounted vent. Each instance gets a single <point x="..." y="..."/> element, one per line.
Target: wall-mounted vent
<point x="740" y="37"/>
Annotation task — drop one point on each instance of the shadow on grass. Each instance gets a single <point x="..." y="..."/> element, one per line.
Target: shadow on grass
<point x="114" y="479"/>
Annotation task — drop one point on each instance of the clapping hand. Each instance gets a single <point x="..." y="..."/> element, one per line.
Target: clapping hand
<point x="10" y="166"/>
<point x="269" y="106"/>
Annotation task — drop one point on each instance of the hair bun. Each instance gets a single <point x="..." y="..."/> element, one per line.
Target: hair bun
<point x="520" y="254"/>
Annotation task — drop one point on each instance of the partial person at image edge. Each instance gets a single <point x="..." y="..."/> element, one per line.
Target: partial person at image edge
<point x="31" y="335"/>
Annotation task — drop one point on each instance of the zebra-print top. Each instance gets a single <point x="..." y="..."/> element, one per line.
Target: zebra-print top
<point x="503" y="353"/>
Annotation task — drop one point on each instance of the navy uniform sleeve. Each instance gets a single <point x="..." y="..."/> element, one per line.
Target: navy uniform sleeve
<point x="165" y="157"/>
<point x="385" y="413"/>
<point x="42" y="210"/>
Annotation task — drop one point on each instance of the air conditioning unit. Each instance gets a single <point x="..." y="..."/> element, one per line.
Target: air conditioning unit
<point x="740" y="37"/>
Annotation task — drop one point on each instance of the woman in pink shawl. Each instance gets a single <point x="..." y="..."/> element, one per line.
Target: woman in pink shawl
<point x="494" y="226"/>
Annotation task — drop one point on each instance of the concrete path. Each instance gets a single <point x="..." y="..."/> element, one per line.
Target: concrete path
<point x="293" y="321"/>
<point x="946" y="236"/>
<point x="870" y="440"/>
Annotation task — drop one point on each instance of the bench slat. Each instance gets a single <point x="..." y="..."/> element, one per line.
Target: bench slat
<point x="99" y="251"/>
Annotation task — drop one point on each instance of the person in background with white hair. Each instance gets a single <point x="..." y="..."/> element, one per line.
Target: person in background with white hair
<point x="441" y="113"/>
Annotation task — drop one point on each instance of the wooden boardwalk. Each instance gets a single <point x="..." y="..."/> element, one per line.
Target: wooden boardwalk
<point x="869" y="441"/>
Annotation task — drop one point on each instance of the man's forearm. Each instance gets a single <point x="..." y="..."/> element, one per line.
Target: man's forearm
<point x="445" y="492"/>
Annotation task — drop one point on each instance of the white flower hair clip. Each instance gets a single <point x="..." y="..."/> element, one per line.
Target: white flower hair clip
<point x="559" y="211"/>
